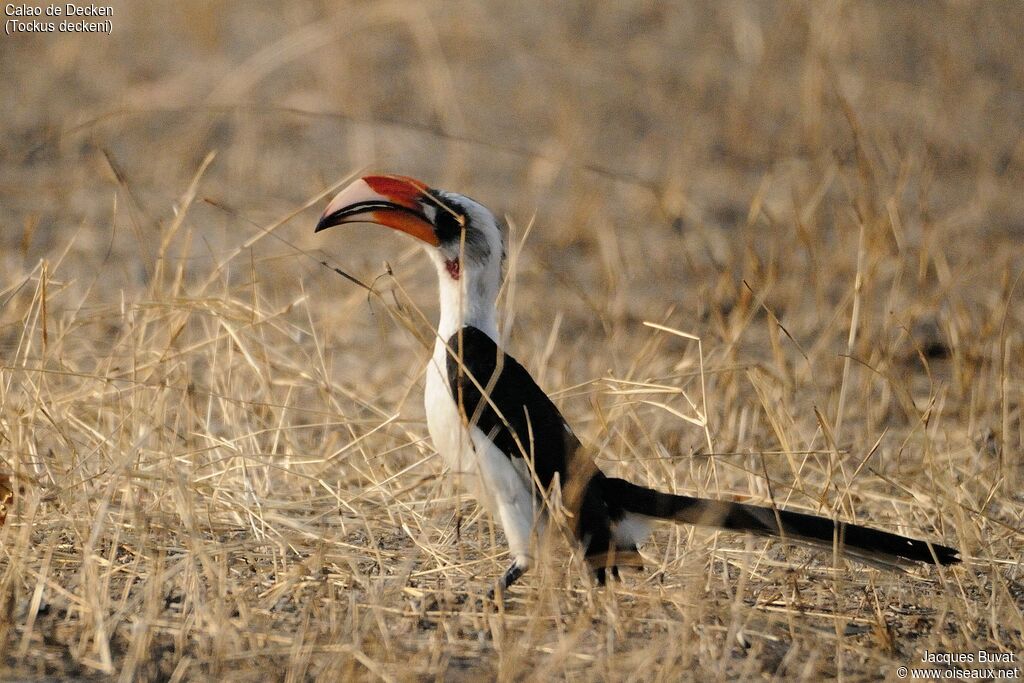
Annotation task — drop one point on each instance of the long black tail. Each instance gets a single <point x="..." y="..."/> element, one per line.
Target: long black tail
<point x="862" y="543"/>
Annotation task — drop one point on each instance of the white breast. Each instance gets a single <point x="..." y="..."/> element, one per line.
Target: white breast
<point x="500" y="484"/>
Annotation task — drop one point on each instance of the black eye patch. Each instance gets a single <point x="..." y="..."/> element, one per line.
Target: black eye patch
<point x="456" y="230"/>
<point x="448" y="224"/>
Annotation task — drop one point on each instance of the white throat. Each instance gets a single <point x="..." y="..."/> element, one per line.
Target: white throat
<point x="468" y="300"/>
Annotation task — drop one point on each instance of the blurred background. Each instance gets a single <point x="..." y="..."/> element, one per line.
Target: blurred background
<point x="664" y="153"/>
<point x="619" y="126"/>
<point x="828" y="193"/>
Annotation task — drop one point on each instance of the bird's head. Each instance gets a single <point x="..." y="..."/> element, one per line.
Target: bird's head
<point x="463" y="236"/>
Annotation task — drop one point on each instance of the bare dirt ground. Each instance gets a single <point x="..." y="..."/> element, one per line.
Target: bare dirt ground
<point x="216" y="446"/>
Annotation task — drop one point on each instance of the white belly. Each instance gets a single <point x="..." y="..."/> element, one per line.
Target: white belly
<point x="499" y="483"/>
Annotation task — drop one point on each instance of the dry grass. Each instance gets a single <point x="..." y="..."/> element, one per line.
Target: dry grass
<point x="216" y="446"/>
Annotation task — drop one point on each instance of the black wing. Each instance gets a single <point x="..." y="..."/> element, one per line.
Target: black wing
<point x="519" y="417"/>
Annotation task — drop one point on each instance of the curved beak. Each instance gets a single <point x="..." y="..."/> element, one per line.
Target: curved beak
<point x="389" y="200"/>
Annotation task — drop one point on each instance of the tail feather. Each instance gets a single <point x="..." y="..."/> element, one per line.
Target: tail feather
<point x="859" y="542"/>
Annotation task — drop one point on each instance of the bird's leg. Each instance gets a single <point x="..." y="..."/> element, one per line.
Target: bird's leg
<point x="511" y="576"/>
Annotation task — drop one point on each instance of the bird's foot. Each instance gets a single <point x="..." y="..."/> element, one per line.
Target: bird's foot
<point x="601" y="575"/>
<point x="512" y="574"/>
<point x="443" y="602"/>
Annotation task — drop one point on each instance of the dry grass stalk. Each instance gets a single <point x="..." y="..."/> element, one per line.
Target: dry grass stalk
<point x="213" y="463"/>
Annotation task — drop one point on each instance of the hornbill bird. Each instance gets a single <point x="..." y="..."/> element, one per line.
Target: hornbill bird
<point x="508" y="443"/>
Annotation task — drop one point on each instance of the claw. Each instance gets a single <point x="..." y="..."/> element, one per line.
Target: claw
<point x="512" y="574"/>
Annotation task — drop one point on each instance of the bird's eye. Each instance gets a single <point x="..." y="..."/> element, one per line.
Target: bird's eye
<point x="449" y="225"/>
